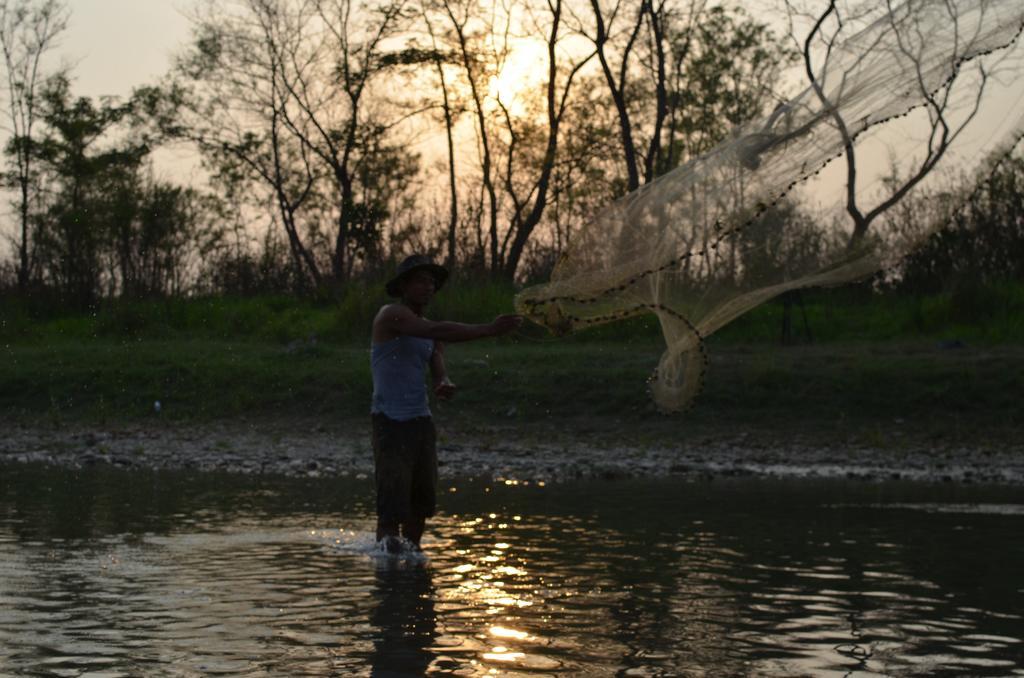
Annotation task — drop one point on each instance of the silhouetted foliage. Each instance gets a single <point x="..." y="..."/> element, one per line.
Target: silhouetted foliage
<point x="102" y="226"/>
<point x="28" y="31"/>
<point x="984" y="245"/>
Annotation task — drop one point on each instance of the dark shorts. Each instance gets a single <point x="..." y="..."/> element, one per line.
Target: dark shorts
<point x="405" y="467"/>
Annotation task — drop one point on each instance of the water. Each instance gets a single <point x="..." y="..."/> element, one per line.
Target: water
<point x="108" y="573"/>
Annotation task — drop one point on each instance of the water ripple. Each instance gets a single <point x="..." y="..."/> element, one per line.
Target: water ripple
<point x="626" y="579"/>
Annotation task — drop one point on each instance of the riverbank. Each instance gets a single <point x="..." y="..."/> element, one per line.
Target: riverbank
<point x="949" y="388"/>
<point x="531" y="454"/>
<point x="526" y="411"/>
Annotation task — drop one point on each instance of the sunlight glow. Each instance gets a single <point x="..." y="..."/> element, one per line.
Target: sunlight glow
<point x="502" y="654"/>
<point x="480" y="580"/>
<point x="502" y="632"/>
<point x="508" y="601"/>
<point x="508" y="569"/>
<point x="524" y="69"/>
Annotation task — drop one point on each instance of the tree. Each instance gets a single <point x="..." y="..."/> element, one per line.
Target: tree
<point x="228" y="98"/>
<point x="153" y="226"/>
<point x="984" y="244"/>
<point x="517" y="151"/>
<point x="478" y="66"/>
<point x="617" y="75"/>
<point x="338" y="55"/>
<point x="438" y="59"/>
<point x="679" y="76"/>
<point x="945" y="122"/>
<point x="28" y="31"/>
<point x="281" y="93"/>
<point x="932" y="50"/>
<point x="82" y="176"/>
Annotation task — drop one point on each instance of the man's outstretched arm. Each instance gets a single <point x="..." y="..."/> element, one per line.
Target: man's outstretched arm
<point x="397" y="319"/>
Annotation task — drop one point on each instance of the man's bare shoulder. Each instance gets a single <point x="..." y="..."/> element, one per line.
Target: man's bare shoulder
<point x="393" y="320"/>
<point x="394" y="307"/>
<point x="394" y="310"/>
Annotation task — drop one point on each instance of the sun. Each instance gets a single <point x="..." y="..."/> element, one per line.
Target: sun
<point x="524" y="69"/>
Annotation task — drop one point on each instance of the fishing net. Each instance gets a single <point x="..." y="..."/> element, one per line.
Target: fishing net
<point x="902" y="100"/>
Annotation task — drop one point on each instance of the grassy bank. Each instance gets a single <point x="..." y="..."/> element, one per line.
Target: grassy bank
<point x="853" y="313"/>
<point x="877" y="365"/>
<point x="863" y="390"/>
<point x="272" y="318"/>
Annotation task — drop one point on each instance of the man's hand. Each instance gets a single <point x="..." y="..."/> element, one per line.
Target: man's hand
<point x="504" y="324"/>
<point x="444" y="389"/>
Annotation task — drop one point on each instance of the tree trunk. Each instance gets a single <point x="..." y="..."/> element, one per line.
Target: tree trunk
<point x="453" y="218"/>
<point x="23" y="267"/>
<point x="340" y="261"/>
<point x="617" y="91"/>
<point x="654" y="150"/>
<point x="790" y="299"/>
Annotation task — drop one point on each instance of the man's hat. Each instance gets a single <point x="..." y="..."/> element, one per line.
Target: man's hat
<point x="415" y="263"/>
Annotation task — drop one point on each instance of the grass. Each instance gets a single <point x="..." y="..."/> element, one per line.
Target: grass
<point x="597" y="387"/>
<point x="991" y="315"/>
<point x="192" y="379"/>
<point x="271" y="318"/>
<point x="877" y="364"/>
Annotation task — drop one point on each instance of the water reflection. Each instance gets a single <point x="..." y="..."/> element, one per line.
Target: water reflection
<point x="405" y="620"/>
<point x="129" y="574"/>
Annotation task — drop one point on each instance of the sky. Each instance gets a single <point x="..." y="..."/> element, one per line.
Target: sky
<point x="115" y="45"/>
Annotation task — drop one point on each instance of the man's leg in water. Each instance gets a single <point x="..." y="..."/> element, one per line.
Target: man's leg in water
<point x="386" y="528"/>
<point x="405" y="456"/>
<point x="412" y="529"/>
<point x="423" y="499"/>
<point x="393" y="478"/>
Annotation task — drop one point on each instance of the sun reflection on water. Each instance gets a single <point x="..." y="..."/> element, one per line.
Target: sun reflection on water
<point x="502" y="632"/>
<point x="492" y="580"/>
<point x="503" y="654"/>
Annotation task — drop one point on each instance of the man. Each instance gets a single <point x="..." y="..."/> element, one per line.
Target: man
<point x="404" y="344"/>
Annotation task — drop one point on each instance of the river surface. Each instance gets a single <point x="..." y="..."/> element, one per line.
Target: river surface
<point x="115" y="573"/>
